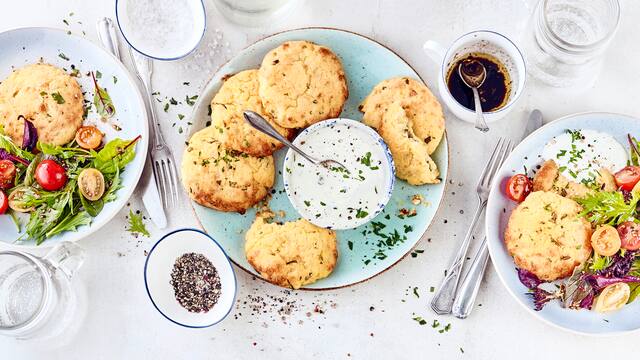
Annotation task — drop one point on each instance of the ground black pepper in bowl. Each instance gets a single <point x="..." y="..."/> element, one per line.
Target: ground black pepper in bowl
<point x="195" y="282"/>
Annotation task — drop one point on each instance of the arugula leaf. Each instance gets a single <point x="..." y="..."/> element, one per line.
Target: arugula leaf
<point x="136" y="225"/>
<point x="91" y="207"/>
<point x="70" y="223"/>
<point x="609" y="208"/>
<point x="62" y="152"/>
<point x="31" y="169"/>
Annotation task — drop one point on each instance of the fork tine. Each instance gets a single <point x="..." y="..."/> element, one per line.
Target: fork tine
<point x="492" y="158"/>
<point x="167" y="182"/>
<point x="173" y="181"/>
<point x="161" y="182"/>
<point x="506" y="149"/>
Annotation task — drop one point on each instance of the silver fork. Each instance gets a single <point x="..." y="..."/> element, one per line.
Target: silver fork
<point x="164" y="164"/>
<point x="443" y="300"/>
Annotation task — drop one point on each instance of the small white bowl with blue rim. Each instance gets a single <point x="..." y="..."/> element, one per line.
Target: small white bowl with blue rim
<point x="198" y="26"/>
<point x="385" y="195"/>
<point x="157" y="277"/>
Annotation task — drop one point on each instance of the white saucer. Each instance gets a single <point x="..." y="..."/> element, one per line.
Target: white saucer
<point x="157" y="275"/>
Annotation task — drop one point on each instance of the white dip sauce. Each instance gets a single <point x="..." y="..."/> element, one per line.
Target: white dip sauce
<point x="333" y="199"/>
<point x="162" y="28"/>
<point x="581" y="153"/>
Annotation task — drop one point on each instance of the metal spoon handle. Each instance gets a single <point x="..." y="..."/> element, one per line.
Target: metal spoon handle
<point x="481" y="124"/>
<point x="259" y="123"/>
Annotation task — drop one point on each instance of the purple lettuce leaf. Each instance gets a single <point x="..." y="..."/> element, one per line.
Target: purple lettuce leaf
<point x="528" y="279"/>
<point x="5" y="155"/>
<point x="30" y="136"/>
<point x="620" y="265"/>
<point x="541" y="297"/>
<point x="599" y="282"/>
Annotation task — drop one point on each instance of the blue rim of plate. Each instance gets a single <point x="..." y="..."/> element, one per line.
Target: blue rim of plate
<point x="204" y="31"/>
<point x="374" y="135"/>
<point x="235" y="280"/>
<point x="524" y="64"/>
<point x="444" y="177"/>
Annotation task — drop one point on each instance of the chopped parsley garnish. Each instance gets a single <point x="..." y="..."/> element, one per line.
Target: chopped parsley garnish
<point x="57" y="97"/>
<point x="361" y="214"/>
<point x="420" y="320"/>
<point x="415" y="292"/>
<point x="307" y="203"/>
<point x="98" y="74"/>
<point x="63" y="57"/>
<point x="350" y="244"/>
<point x="366" y="159"/>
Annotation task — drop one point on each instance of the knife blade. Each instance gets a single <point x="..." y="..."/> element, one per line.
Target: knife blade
<point x="468" y="290"/>
<point x="150" y="195"/>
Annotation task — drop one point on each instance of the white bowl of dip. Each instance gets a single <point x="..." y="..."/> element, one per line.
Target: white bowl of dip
<point x="335" y="200"/>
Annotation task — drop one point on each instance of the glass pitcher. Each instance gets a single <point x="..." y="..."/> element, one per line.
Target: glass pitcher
<point x="37" y="296"/>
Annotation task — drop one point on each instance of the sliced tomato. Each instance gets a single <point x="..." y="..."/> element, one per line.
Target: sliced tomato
<point x="51" y="175"/>
<point x="628" y="177"/>
<point x="518" y="187"/>
<point x="4" y="202"/>
<point x="629" y="235"/>
<point x="89" y="137"/>
<point x="7" y="174"/>
<point x="605" y="240"/>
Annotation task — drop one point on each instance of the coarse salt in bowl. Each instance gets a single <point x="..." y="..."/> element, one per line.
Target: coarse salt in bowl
<point x="157" y="277"/>
<point x="162" y="29"/>
<point x="334" y="199"/>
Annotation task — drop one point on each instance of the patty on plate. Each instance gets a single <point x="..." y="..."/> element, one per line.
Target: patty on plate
<point x="237" y="94"/>
<point x="293" y="254"/>
<point x="546" y="236"/>
<point x="410" y="154"/>
<point x="222" y="179"/>
<point x="302" y="83"/>
<point x="549" y="178"/>
<point x="416" y="99"/>
<point x="45" y="95"/>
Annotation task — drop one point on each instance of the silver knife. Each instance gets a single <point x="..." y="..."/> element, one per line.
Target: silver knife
<point x="150" y="194"/>
<point x="468" y="289"/>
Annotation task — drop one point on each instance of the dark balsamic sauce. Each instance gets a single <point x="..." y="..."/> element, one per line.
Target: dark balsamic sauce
<point x="494" y="92"/>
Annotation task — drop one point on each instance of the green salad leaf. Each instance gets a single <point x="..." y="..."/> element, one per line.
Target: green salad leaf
<point x="136" y="226"/>
<point x="7" y="144"/>
<point x="70" y="223"/>
<point x="114" y="156"/>
<point x="604" y="207"/>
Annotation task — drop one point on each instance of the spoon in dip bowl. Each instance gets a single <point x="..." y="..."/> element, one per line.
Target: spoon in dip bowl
<point x="258" y="122"/>
<point x="473" y="74"/>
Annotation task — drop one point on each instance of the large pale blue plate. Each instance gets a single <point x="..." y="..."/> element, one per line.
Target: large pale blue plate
<point x="24" y="46"/>
<point x="499" y="208"/>
<point x="366" y="63"/>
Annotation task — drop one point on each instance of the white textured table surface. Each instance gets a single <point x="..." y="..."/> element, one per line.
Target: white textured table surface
<point x="370" y="320"/>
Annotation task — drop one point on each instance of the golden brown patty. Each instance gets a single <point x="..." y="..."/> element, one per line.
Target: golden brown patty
<point x="292" y="254"/>
<point x="237" y="94"/>
<point x="549" y="178"/>
<point x="546" y="236"/>
<point x="410" y="154"/>
<point x="222" y="179"/>
<point x="421" y="106"/>
<point x="45" y="95"/>
<point x="302" y="83"/>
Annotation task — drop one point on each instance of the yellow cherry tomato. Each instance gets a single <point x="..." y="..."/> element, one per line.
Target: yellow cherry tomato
<point x="605" y="240"/>
<point x="613" y="297"/>
<point x="91" y="184"/>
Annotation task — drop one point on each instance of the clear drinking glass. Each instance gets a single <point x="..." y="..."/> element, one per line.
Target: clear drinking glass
<point x="254" y="12"/>
<point x="567" y="38"/>
<point x="37" y="299"/>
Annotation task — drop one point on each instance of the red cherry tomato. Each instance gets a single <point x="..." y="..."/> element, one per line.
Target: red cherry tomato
<point x="629" y="235"/>
<point x="7" y="174"/>
<point x="50" y="175"/>
<point x="518" y="187"/>
<point x="4" y="202"/>
<point x="628" y="177"/>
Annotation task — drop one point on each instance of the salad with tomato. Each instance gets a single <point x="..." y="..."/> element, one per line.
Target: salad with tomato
<point x="610" y="279"/>
<point x="59" y="188"/>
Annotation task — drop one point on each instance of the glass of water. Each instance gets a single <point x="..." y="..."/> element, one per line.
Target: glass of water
<point x="567" y="38"/>
<point x="255" y="12"/>
<point x="37" y="299"/>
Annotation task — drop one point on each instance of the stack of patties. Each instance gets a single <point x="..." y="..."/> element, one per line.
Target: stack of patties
<point x="228" y="166"/>
<point x="410" y="120"/>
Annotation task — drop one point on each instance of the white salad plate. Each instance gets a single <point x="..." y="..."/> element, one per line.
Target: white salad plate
<point x="527" y="155"/>
<point x="20" y="47"/>
<point x="157" y="277"/>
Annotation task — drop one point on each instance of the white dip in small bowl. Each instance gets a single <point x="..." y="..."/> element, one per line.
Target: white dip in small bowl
<point x="333" y="199"/>
<point x="162" y="29"/>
